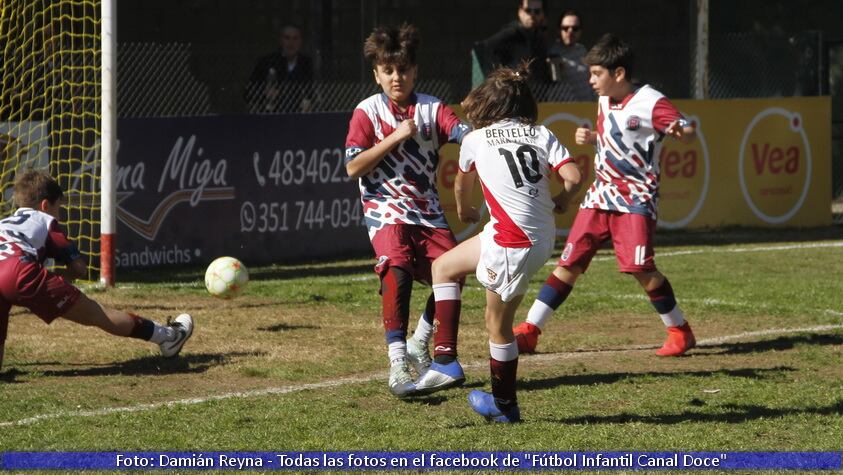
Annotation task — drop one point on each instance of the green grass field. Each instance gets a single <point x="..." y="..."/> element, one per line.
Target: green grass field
<point x="298" y="362"/>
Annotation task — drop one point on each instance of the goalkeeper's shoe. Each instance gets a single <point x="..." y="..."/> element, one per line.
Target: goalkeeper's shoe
<point x="182" y="328"/>
<point x="484" y="404"/>
<point x="679" y="340"/>
<point x="418" y="355"/>
<point x="527" y="336"/>
<point x="400" y="380"/>
<point x="440" y="376"/>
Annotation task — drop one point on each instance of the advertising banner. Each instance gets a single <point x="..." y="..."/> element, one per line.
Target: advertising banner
<point x="262" y="188"/>
<point x="270" y="189"/>
<point x="756" y="162"/>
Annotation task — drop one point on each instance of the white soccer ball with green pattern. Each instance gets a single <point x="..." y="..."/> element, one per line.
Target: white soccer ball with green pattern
<point x="226" y="277"/>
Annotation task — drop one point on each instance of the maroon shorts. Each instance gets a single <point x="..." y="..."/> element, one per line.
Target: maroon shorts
<point x="28" y="284"/>
<point x="632" y="238"/>
<point x="411" y="247"/>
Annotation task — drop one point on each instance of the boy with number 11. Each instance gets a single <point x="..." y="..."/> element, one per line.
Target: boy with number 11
<point x="621" y="204"/>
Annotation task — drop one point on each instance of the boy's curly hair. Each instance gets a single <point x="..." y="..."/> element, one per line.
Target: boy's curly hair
<point x="505" y="94"/>
<point x="392" y="45"/>
<point x="32" y="186"/>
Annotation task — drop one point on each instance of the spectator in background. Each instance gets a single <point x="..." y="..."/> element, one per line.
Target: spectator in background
<point x="522" y="39"/>
<point x="565" y="58"/>
<point x="282" y="80"/>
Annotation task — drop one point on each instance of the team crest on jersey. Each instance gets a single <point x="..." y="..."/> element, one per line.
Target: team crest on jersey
<point x="633" y="122"/>
<point x="566" y="253"/>
<point x="426" y="131"/>
<point x="491" y="274"/>
<point x="352" y="152"/>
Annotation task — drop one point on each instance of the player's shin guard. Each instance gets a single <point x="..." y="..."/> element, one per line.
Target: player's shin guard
<point x="503" y="365"/>
<point x="424" y="329"/>
<point x="664" y="302"/>
<point x="143" y="328"/>
<point x="552" y="294"/>
<point x="396" y="287"/>
<point x="447" y="321"/>
<point x="148" y="330"/>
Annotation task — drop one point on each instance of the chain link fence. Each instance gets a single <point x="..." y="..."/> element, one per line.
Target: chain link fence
<point x="182" y="79"/>
<point x="745" y="65"/>
<point x="158" y="80"/>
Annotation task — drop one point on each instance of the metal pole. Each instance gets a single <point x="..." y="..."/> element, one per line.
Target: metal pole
<point x="701" y="50"/>
<point x="108" y="143"/>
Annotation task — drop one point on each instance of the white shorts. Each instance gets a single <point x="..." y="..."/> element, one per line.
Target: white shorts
<point x="506" y="271"/>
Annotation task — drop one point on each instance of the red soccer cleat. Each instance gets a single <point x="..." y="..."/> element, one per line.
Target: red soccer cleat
<point x="527" y="336"/>
<point x="679" y="340"/>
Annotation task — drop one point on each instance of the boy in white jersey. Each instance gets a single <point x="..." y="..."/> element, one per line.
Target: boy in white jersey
<point x="393" y="148"/>
<point x="514" y="159"/>
<point x="31" y="235"/>
<point x="621" y="204"/>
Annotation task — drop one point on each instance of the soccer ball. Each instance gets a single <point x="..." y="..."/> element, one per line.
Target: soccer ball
<point x="226" y="277"/>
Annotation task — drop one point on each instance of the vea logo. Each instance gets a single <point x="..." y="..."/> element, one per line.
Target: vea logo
<point x="774" y="165"/>
<point x="685" y="170"/>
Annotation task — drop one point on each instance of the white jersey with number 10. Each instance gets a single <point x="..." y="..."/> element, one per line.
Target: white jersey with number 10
<point x="515" y="163"/>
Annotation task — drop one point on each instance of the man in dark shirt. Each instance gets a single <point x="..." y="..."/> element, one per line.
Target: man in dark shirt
<point x="566" y="61"/>
<point x="522" y="39"/>
<point x="282" y="80"/>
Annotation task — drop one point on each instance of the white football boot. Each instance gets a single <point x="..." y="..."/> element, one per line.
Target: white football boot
<point x="439" y="377"/>
<point x="183" y="328"/>
<point x="400" y="380"/>
<point x="418" y="355"/>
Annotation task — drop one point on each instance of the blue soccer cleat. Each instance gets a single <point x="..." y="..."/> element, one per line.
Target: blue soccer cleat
<point x="440" y="376"/>
<point x="484" y="404"/>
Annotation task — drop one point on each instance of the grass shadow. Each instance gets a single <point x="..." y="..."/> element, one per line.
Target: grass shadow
<point x="284" y="327"/>
<point x="611" y="378"/>
<point x="779" y="344"/>
<point x="731" y="413"/>
<point x="439" y="398"/>
<point x="153" y="365"/>
<point x="11" y="375"/>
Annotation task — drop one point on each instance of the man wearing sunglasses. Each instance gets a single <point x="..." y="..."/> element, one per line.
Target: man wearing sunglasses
<point x="522" y="39"/>
<point x="566" y="66"/>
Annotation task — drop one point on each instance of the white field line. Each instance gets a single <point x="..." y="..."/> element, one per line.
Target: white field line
<point x="542" y="357"/>
<point x="711" y="250"/>
<point x="730" y="250"/>
<point x="364" y="378"/>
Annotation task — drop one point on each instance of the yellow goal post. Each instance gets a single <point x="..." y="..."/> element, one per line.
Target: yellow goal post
<point x="58" y="113"/>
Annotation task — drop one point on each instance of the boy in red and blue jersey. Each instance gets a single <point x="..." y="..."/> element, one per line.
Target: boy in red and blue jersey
<point x="33" y="234"/>
<point x="393" y="149"/>
<point x="622" y="202"/>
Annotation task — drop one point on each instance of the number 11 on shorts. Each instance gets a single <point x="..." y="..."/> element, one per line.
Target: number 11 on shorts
<point x="640" y="252"/>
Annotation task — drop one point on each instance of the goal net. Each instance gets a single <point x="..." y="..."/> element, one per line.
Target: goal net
<point x="50" y="112"/>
